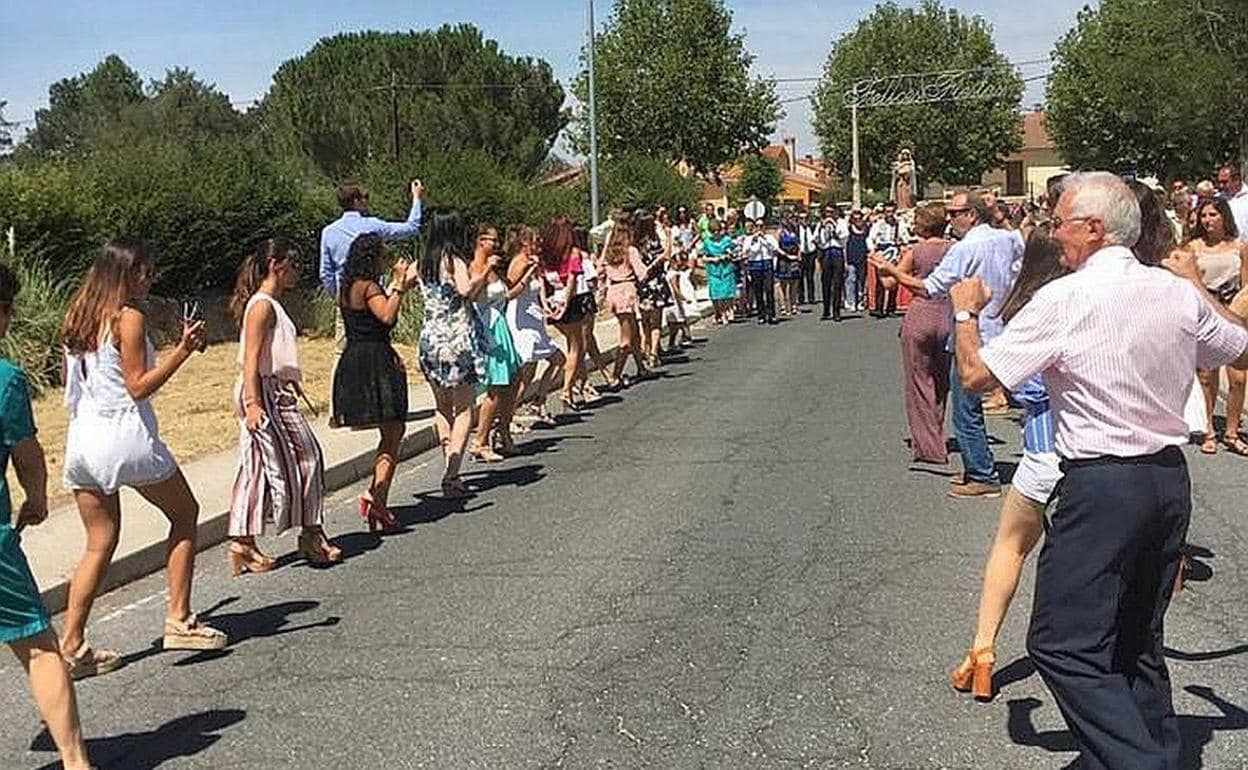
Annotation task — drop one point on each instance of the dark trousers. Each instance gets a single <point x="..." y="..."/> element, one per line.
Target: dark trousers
<point x="763" y="288"/>
<point x="1103" y="582"/>
<point x="832" y="282"/>
<point x="806" y="288"/>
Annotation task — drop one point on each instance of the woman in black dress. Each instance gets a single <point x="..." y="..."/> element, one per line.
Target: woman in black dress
<point x="370" y="381"/>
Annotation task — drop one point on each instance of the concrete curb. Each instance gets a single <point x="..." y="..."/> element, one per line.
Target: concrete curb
<point x="213" y="528"/>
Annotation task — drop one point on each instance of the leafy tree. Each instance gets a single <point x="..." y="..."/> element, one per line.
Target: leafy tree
<point x="761" y="178"/>
<point x="634" y="181"/>
<point x="672" y="80"/>
<point x="456" y="91"/>
<point x="954" y="142"/>
<point x="81" y="107"/>
<point x="1124" y="95"/>
<point x="6" y="130"/>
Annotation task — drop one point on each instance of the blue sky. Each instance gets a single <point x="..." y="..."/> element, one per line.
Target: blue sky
<point x="238" y="45"/>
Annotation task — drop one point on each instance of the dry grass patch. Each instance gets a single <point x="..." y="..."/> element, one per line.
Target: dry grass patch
<point x="195" y="408"/>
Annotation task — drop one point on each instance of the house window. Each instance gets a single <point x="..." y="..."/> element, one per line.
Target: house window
<point x="1013" y="177"/>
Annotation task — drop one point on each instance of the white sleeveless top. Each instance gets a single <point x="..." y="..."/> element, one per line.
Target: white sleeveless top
<point x="280" y="357"/>
<point x="113" y="440"/>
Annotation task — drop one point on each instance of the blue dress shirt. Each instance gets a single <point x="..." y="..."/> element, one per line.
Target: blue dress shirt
<point x="338" y="235"/>
<point x="993" y="255"/>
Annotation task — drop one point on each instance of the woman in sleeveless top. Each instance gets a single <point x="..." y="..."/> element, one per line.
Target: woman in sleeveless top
<point x="625" y="270"/>
<point x="1223" y="262"/>
<point x="370" y="381"/>
<point x="453" y="343"/>
<point x="502" y="362"/>
<point x="924" y="333"/>
<point x="281" y="469"/>
<point x="527" y="316"/>
<point x="654" y="294"/>
<point x="113" y="441"/>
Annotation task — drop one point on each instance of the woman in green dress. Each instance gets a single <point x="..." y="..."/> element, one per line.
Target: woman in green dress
<point x="24" y="622"/>
<point x="717" y="248"/>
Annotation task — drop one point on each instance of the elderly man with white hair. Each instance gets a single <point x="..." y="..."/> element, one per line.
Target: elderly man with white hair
<point x="1116" y="343"/>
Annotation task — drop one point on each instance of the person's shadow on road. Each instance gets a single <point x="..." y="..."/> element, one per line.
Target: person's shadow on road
<point x="272" y="620"/>
<point x="182" y="737"/>
<point x="1197" y="731"/>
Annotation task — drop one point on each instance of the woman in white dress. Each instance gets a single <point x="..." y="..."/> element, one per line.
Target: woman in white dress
<point x="111" y="372"/>
<point x="527" y="316"/>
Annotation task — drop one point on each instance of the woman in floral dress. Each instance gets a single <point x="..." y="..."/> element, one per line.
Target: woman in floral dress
<point x="452" y="347"/>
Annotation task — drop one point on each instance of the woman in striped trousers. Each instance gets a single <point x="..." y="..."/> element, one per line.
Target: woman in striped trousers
<point x="281" y="466"/>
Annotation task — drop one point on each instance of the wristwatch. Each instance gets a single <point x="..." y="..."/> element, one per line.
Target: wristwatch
<point x="962" y="316"/>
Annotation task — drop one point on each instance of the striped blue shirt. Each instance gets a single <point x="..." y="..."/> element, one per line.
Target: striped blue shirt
<point x="1038" y="432"/>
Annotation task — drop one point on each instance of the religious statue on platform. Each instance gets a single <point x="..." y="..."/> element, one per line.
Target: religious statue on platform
<point x="905" y="180"/>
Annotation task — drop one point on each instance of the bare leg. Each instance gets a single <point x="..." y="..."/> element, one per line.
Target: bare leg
<point x="174" y="499"/>
<point x="638" y="342"/>
<point x="485" y="422"/>
<point x="1234" y="401"/>
<point x="1209" y="384"/>
<point x="443" y="414"/>
<point x="576" y="350"/>
<point x="54" y="696"/>
<point x="461" y="426"/>
<point x="506" y="411"/>
<point x="1018" y="531"/>
<point x="101" y="516"/>
<point x="628" y="343"/>
<point x="595" y="354"/>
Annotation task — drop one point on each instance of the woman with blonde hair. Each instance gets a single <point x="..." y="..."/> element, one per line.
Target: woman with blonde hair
<point x="281" y="469"/>
<point x="625" y="270"/>
<point x="111" y="373"/>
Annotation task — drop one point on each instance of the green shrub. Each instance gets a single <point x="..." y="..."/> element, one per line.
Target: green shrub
<point x="40" y="307"/>
<point x="54" y="213"/>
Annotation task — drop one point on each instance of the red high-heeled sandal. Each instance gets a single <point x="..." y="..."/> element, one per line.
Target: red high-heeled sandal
<point x="378" y="517"/>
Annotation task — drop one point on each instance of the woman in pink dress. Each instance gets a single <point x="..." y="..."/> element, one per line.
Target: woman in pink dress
<point x="924" y="332"/>
<point x="624" y="270"/>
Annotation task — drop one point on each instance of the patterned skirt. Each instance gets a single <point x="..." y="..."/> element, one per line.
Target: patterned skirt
<point x="281" y="470"/>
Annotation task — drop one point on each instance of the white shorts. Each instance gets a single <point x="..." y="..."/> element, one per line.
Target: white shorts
<point x="121" y="448"/>
<point x="1037" y="476"/>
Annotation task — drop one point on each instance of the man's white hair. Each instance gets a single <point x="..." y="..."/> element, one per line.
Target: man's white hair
<point x="1101" y="195"/>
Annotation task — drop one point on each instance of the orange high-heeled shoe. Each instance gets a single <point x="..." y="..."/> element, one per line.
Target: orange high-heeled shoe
<point x="248" y="558"/>
<point x="974" y="675"/>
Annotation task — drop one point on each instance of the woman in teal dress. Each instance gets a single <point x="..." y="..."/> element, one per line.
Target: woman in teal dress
<point x="24" y="622"/>
<point x="720" y="274"/>
<point x="502" y="362"/>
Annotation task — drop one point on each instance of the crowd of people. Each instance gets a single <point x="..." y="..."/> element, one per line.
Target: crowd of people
<point x="1030" y="304"/>
<point x="1005" y="304"/>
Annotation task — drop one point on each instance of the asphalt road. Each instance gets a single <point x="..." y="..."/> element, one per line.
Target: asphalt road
<point x="729" y="567"/>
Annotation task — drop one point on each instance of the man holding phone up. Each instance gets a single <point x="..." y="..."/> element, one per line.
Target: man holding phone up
<point x="357" y="220"/>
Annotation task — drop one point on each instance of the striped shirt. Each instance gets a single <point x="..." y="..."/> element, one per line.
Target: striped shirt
<point x="1039" y="434"/>
<point x="1116" y="343"/>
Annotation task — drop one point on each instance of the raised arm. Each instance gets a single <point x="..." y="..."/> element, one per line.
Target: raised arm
<point x="140" y="381"/>
<point x="406" y="229"/>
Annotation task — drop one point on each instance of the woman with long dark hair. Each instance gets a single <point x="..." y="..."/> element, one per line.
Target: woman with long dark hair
<point x="1222" y="259"/>
<point x="111" y="373"/>
<point x="370" y="381"/>
<point x="1022" y="513"/>
<point x="281" y="468"/>
<point x="452" y="346"/>
<point x="653" y="293"/>
<point x="502" y="362"/>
